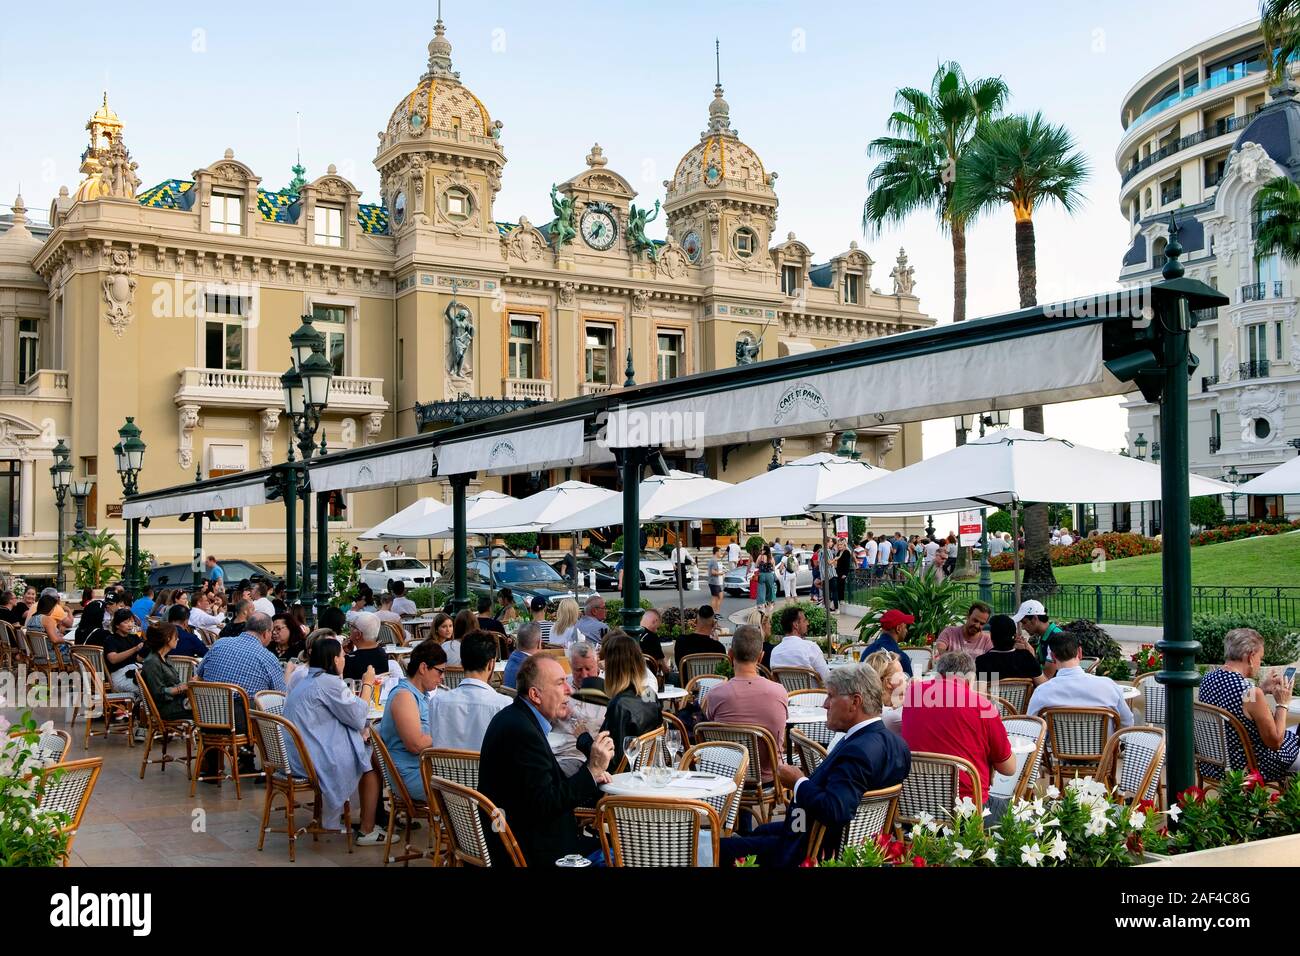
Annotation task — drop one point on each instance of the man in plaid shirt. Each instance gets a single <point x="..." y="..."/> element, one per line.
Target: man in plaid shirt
<point x="244" y="660"/>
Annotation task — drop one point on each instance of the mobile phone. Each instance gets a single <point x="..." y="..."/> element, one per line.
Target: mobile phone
<point x="1289" y="676"/>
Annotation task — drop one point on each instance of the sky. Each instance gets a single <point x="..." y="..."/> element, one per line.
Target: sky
<point x="810" y="85"/>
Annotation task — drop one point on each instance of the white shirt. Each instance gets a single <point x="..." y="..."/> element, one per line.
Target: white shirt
<point x="872" y="548"/>
<point x="385" y="553"/>
<point x="733" y="552"/>
<point x="679" y="555"/>
<point x="404" y="605"/>
<point x="459" y="718"/>
<point x="201" y="618"/>
<point x="931" y="549"/>
<point x="1067" y="540"/>
<point x="264" y="605"/>
<point x="1074" y="687"/>
<point x="794" y="651"/>
<point x="882" y="554"/>
<point x="389" y="616"/>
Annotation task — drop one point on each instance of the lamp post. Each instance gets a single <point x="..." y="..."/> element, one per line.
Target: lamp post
<point x="998" y="418"/>
<point x="964" y="425"/>
<point x="1234" y="479"/>
<point x="1140" y="443"/>
<point x="80" y="492"/>
<point x="60" y="476"/>
<point x="129" y="452"/>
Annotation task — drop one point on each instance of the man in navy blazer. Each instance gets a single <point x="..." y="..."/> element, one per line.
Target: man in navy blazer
<point x="868" y="757"/>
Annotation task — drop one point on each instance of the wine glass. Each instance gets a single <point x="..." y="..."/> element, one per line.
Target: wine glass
<point x="673" y="744"/>
<point x="632" y="750"/>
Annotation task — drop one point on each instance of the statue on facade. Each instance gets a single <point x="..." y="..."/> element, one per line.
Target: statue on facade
<point x="564" y="229"/>
<point x="902" y="275"/>
<point x="747" y="350"/>
<point x="461" y="321"/>
<point x="636" y="223"/>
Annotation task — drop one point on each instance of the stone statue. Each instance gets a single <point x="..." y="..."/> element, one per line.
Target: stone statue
<point x="117" y="172"/>
<point x="564" y="229"/>
<point x="902" y="275"/>
<point x="636" y="223"/>
<point x="747" y="350"/>
<point x="462" y="336"/>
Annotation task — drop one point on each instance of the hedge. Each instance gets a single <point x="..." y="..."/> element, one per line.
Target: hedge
<point x="1281" y="646"/>
<point x="1115" y="546"/>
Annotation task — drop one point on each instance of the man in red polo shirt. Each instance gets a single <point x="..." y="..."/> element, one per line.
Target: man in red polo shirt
<point x="947" y="716"/>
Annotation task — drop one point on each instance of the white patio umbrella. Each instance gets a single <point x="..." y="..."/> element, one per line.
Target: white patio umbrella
<point x="1008" y="467"/>
<point x="1282" y="480"/>
<point x="409" y="522"/>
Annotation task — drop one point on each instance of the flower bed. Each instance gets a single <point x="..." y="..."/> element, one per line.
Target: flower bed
<point x="1147" y="659"/>
<point x="29" y="836"/>
<point x="1235" y="532"/>
<point x="1114" y="546"/>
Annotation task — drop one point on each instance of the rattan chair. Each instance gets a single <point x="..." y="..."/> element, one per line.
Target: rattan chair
<point x="207" y="635"/>
<point x="213" y="707"/>
<point x="1016" y="691"/>
<point x="67" y="788"/>
<point x="110" y="704"/>
<point x="757" y="797"/>
<point x="185" y="666"/>
<point x="22" y="647"/>
<point x="640" y="831"/>
<point x="1133" y="761"/>
<point x="270" y="701"/>
<point x="1211" y="726"/>
<point x="46" y="657"/>
<point x="920" y="657"/>
<point x="673" y="722"/>
<point x="933" y="786"/>
<point x="51" y="746"/>
<point x="810" y="752"/>
<point x="724" y="759"/>
<point x="405" y="805"/>
<point x="158" y="726"/>
<point x="458" y="766"/>
<point x="1004" y="706"/>
<point x="275" y="735"/>
<point x="1076" y="738"/>
<point x="649" y="742"/>
<point x="394" y="632"/>
<point x="699" y="687"/>
<point x="505" y="691"/>
<point x="8" y="646"/>
<point x="452" y="676"/>
<point x="1033" y="730"/>
<point x="813" y="729"/>
<point x="465" y="810"/>
<point x="699" y="665"/>
<point x="874" y="816"/>
<point x="797" y="678"/>
<point x="1089" y="664"/>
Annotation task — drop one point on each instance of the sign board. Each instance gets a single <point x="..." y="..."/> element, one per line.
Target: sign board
<point x="842" y="526"/>
<point x="113" y="509"/>
<point x="969" y="527"/>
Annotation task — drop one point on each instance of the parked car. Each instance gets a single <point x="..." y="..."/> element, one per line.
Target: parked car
<point x="182" y="575"/>
<point x="606" y="578"/>
<point x="412" y="572"/>
<point x="656" y="569"/>
<point x="736" y="581"/>
<point x="526" y="577"/>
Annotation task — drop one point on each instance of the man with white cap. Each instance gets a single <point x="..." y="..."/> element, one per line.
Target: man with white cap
<point x="1032" y="619"/>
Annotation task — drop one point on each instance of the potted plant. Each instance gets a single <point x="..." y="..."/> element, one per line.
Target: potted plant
<point x="29" y="836"/>
<point x="1147" y="659"/>
<point x="933" y="603"/>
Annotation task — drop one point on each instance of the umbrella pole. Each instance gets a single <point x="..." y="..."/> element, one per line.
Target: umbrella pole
<point x="573" y="550"/>
<point x="1015" y="548"/>
<point x="681" y="600"/>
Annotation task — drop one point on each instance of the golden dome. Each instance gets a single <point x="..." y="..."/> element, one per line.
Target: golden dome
<point x="720" y="158"/>
<point x="104" y="116"/>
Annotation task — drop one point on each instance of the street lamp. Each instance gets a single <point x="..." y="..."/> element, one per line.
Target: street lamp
<point x="998" y="418"/>
<point x="129" y="452"/>
<point x="1235" y="479"/>
<point x="1140" y="443"/>
<point x="849" y="445"/>
<point x="60" y="476"/>
<point x="80" y="492"/>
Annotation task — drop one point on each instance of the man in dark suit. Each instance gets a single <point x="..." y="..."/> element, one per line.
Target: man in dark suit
<point x="868" y="757"/>
<point x="519" y="773"/>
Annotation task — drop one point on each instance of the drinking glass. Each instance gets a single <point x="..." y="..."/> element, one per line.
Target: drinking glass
<point x="632" y="749"/>
<point x="673" y="744"/>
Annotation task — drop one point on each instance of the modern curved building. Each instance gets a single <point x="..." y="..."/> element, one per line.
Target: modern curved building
<point x="1202" y="133"/>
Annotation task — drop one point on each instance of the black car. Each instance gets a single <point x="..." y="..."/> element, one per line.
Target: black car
<point x="606" y="580"/>
<point x="526" y="577"/>
<point x="182" y="575"/>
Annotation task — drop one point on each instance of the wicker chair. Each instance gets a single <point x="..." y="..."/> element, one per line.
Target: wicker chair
<point x="699" y="687"/>
<point x="8" y="646"/>
<point x="1089" y="664"/>
<point x="813" y="729"/>
<point x="1033" y="730"/>
<point x="22" y="652"/>
<point x="66" y="787"/>
<point x="874" y="816"/>
<point x="110" y="704"/>
<point x="46" y="657"/>
<point x="52" y="745"/>
<point x="1077" y="739"/>
<point x="207" y="635"/>
<point x="1211" y="726"/>
<point x="920" y="658"/>
<point x="724" y="759"/>
<point x="1016" y="691"/>
<point x="1004" y="706"/>
<point x="159" y="726"/>
<point x="636" y="831"/>
<point x="458" y="766"/>
<point x="270" y="701"/>
<point x="797" y="678"/>
<point x="465" y="810"/>
<point x="1133" y="761"/>
<point x="757" y="797"/>
<point x="699" y="665"/>
<point x="809" y="751"/>
<point x="213" y="709"/>
<point x="405" y="805"/>
<point x="452" y="676"/>
<point x="673" y="722"/>
<point x="392" y="633"/>
<point x="275" y="735"/>
<point x="185" y="666"/>
<point x="649" y="742"/>
<point x="933" y="786"/>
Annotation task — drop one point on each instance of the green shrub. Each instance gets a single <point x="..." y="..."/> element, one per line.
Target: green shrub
<point x="999" y="521"/>
<point x="616" y="544"/>
<point x="614" y="610"/>
<point x="1207" y="511"/>
<point x="1094" y="640"/>
<point x="1116" y="668"/>
<point x="595" y="551"/>
<point x="934" y="604"/>
<point x="1281" y="644"/>
<point x="816" y="615"/>
<point x="725" y="527"/>
<point x="522" y="541"/>
<point x="433" y="598"/>
<point x="755" y="544"/>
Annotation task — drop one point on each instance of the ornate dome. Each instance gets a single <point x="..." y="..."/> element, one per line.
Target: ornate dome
<point x="719" y="159"/>
<point x="440" y="101"/>
<point x="18" y="247"/>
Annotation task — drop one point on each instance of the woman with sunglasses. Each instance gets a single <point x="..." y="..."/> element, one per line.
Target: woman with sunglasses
<point x="405" y="724"/>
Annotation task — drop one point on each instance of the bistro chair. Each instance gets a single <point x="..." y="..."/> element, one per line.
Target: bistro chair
<point x="1077" y="739"/>
<point x="757" y="797"/>
<point x="8" y="646"/>
<point x="1089" y="664"/>
<point x="66" y="788"/>
<point x="700" y="686"/>
<point x="1133" y="761"/>
<point x="214" y="711"/>
<point x="640" y="831"/>
<point x="673" y="722"/>
<point x="458" y="766"/>
<point x="726" y="760"/>
<point x="933" y="786"/>
<point x="699" y="665"/>
<point x="810" y="752"/>
<point x="1214" y="730"/>
<point x="505" y="691"/>
<point x="405" y="805"/>
<point x="650" y="743"/>
<point x="1004" y="706"/>
<point x="185" y="666"/>
<point x="94" y="698"/>
<point x="465" y="810"/>
<point x="920" y="658"/>
<point x="270" y="701"/>
<point x="813" y="729"/>
<point x="22" y="653"/>
<point x="797" y="678"/>
<point x="874" y="816"/>
<point x="1016" y="691"/>
<point x="158" y="726"/>
<point x="1033" y="730"/>
<point x="275" y="735"/>
<point x="392" y="633"/>
<point x="207" y="635"/>
<point x="51" y="746"/>
<point x="452" y="676"/>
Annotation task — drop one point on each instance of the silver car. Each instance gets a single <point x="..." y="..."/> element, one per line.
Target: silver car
<point x="736" y="581"/>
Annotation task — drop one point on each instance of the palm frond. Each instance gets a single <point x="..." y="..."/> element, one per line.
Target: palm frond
<point x="1280" y="24"/>
<point x="1277" y="212"/>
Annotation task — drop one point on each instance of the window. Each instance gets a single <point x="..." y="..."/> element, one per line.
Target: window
<point x="1257" y="342"/>
<point x="1216" y="427"/>
<point x="791" y="279"/>
<point x="329" y="226"/>
<point x="1146" y="198"/>
<point x="1171" y="190"/>
<point x="1158" y="253"/>
<point x="457" y="203"/>
<point x="1277" y="339"/>
<point x="90" y="469"/>
<point x="1122" y="516"/>
<point x="1262" y="429"/>
<point x="1214" y="170"/>
<point x="523" y="347"/>
<point x="1214" y="356"/>
<point x="599" y="354"/>
<point x="332" y="322"/>
<point x="9" y="498"/>
<point x="227" y="459"/>
<point x="668" y="354"/>
<point x="745" y="242"/>
<point x="852" y="283"/>
<point x="337" y="509"/>
<point x="227" y="214"/>
<point x="29" y="349"/>
<point x="401" y="359"/>
<point x="224" y="331"/>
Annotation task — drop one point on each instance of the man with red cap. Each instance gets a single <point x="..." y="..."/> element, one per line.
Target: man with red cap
<point x="893" y="631"/>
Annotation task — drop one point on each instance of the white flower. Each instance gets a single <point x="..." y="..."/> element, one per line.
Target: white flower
<point x="987" y="812"/>
<point x="1095" y="827"/>
<point x="46" y="728"/>
<point x="1039" y="809"/>
<point x="991" y="855"/>
<point x="1058" y="848"/>
<point x="1031" y="854"/>
<point x="1052" y="792"/>
<point x="960" y="852"/>
<point x="926" y="822"/>
<point x="1022" y="812"/>
<point x="947" y="831"/>
<point x="965" y="807"/>
<point x="1038" y="827"/>
<point x="1137" y="819"/>
<point x="1175" y="812"/>
<point x="1054" y="822"/>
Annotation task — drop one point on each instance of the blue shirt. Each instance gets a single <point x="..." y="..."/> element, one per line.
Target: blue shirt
<point x="542" y="721"/>
<point x="141" y="609"/>
<point x="216" y="573"/>
<point x="515" y="661"/>
<point x="244" y="661"/>
<point x="886" y="642"/>
<point x="1074" y="687"/>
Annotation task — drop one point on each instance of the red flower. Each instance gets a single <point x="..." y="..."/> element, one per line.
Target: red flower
<point x="893" y="849"/>
<point x="918" y="861"/>
<point x="1144" y="805"/>
<point x="1274" y="797"/>
<point x="1191" y="795"/>
<point x="808" y="862"/>
<point x="1134" y="843"/>
<point x="1253" y="780"/>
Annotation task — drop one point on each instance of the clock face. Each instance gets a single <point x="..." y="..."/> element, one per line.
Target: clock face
<point x="599" y="229"/>
<point x="691" y="246"/>
<point x="399" y="208"/>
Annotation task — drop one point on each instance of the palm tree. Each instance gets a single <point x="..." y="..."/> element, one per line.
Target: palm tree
<point x="1277" y="213"/>
<point x="1024" y="162"/>
<point x="930" y="133"/>
<point x="1281" y="27"/>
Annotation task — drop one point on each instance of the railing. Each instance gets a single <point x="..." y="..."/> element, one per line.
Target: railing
<point x="536" y="389"/>
<point x="1208" y="382"/>
<point x="1173" y="194"/>
<point x="1206" y="315"/>
<point x="1258" y="291"/>
<point x="1216" y="442"/>
<point x="43" y="383"/>
<point x="1220" y="128"/>
<point x="1214" y="176"/>
<point x="9" y="547"/>
<point x="215" y="386"/>
<point x="596" y="388"/>
<point x="1218" y="78"/>
<point x="1258" y="369"/>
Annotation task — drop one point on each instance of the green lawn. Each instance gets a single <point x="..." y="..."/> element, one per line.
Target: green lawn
<point x="1266" y="561"/>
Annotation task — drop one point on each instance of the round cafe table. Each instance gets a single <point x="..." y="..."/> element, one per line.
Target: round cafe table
<point x="672" y="693"/>
<point x="685" y="785"/>
<point x="1130" y="693"/>
<point x="1002" y="785"/>
<point x="806" y="715"/>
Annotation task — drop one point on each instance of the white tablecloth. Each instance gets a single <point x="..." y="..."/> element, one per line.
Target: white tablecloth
<point x="684" y="786"/>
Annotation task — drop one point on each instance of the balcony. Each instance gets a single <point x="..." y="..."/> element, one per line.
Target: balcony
<point x="1208" y="382"/>
<point x="219" y="388"/>
<point x="596" y="388"/>
<point x="1247" y="370"/>
<point x="1222" y="127"/>
<point x="1216" y="79"/>
<point x="1205" y="315"/>
<point x="44" y="383"/>
<point x="1216" y="442"/>
<point x="1259" y="291"/>
<point x="533" y="389"/>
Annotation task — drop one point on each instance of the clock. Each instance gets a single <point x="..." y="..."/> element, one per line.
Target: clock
<point x="691" y="245"/>
<point x="599" y="228"/>
<point x="399" y="208"/>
